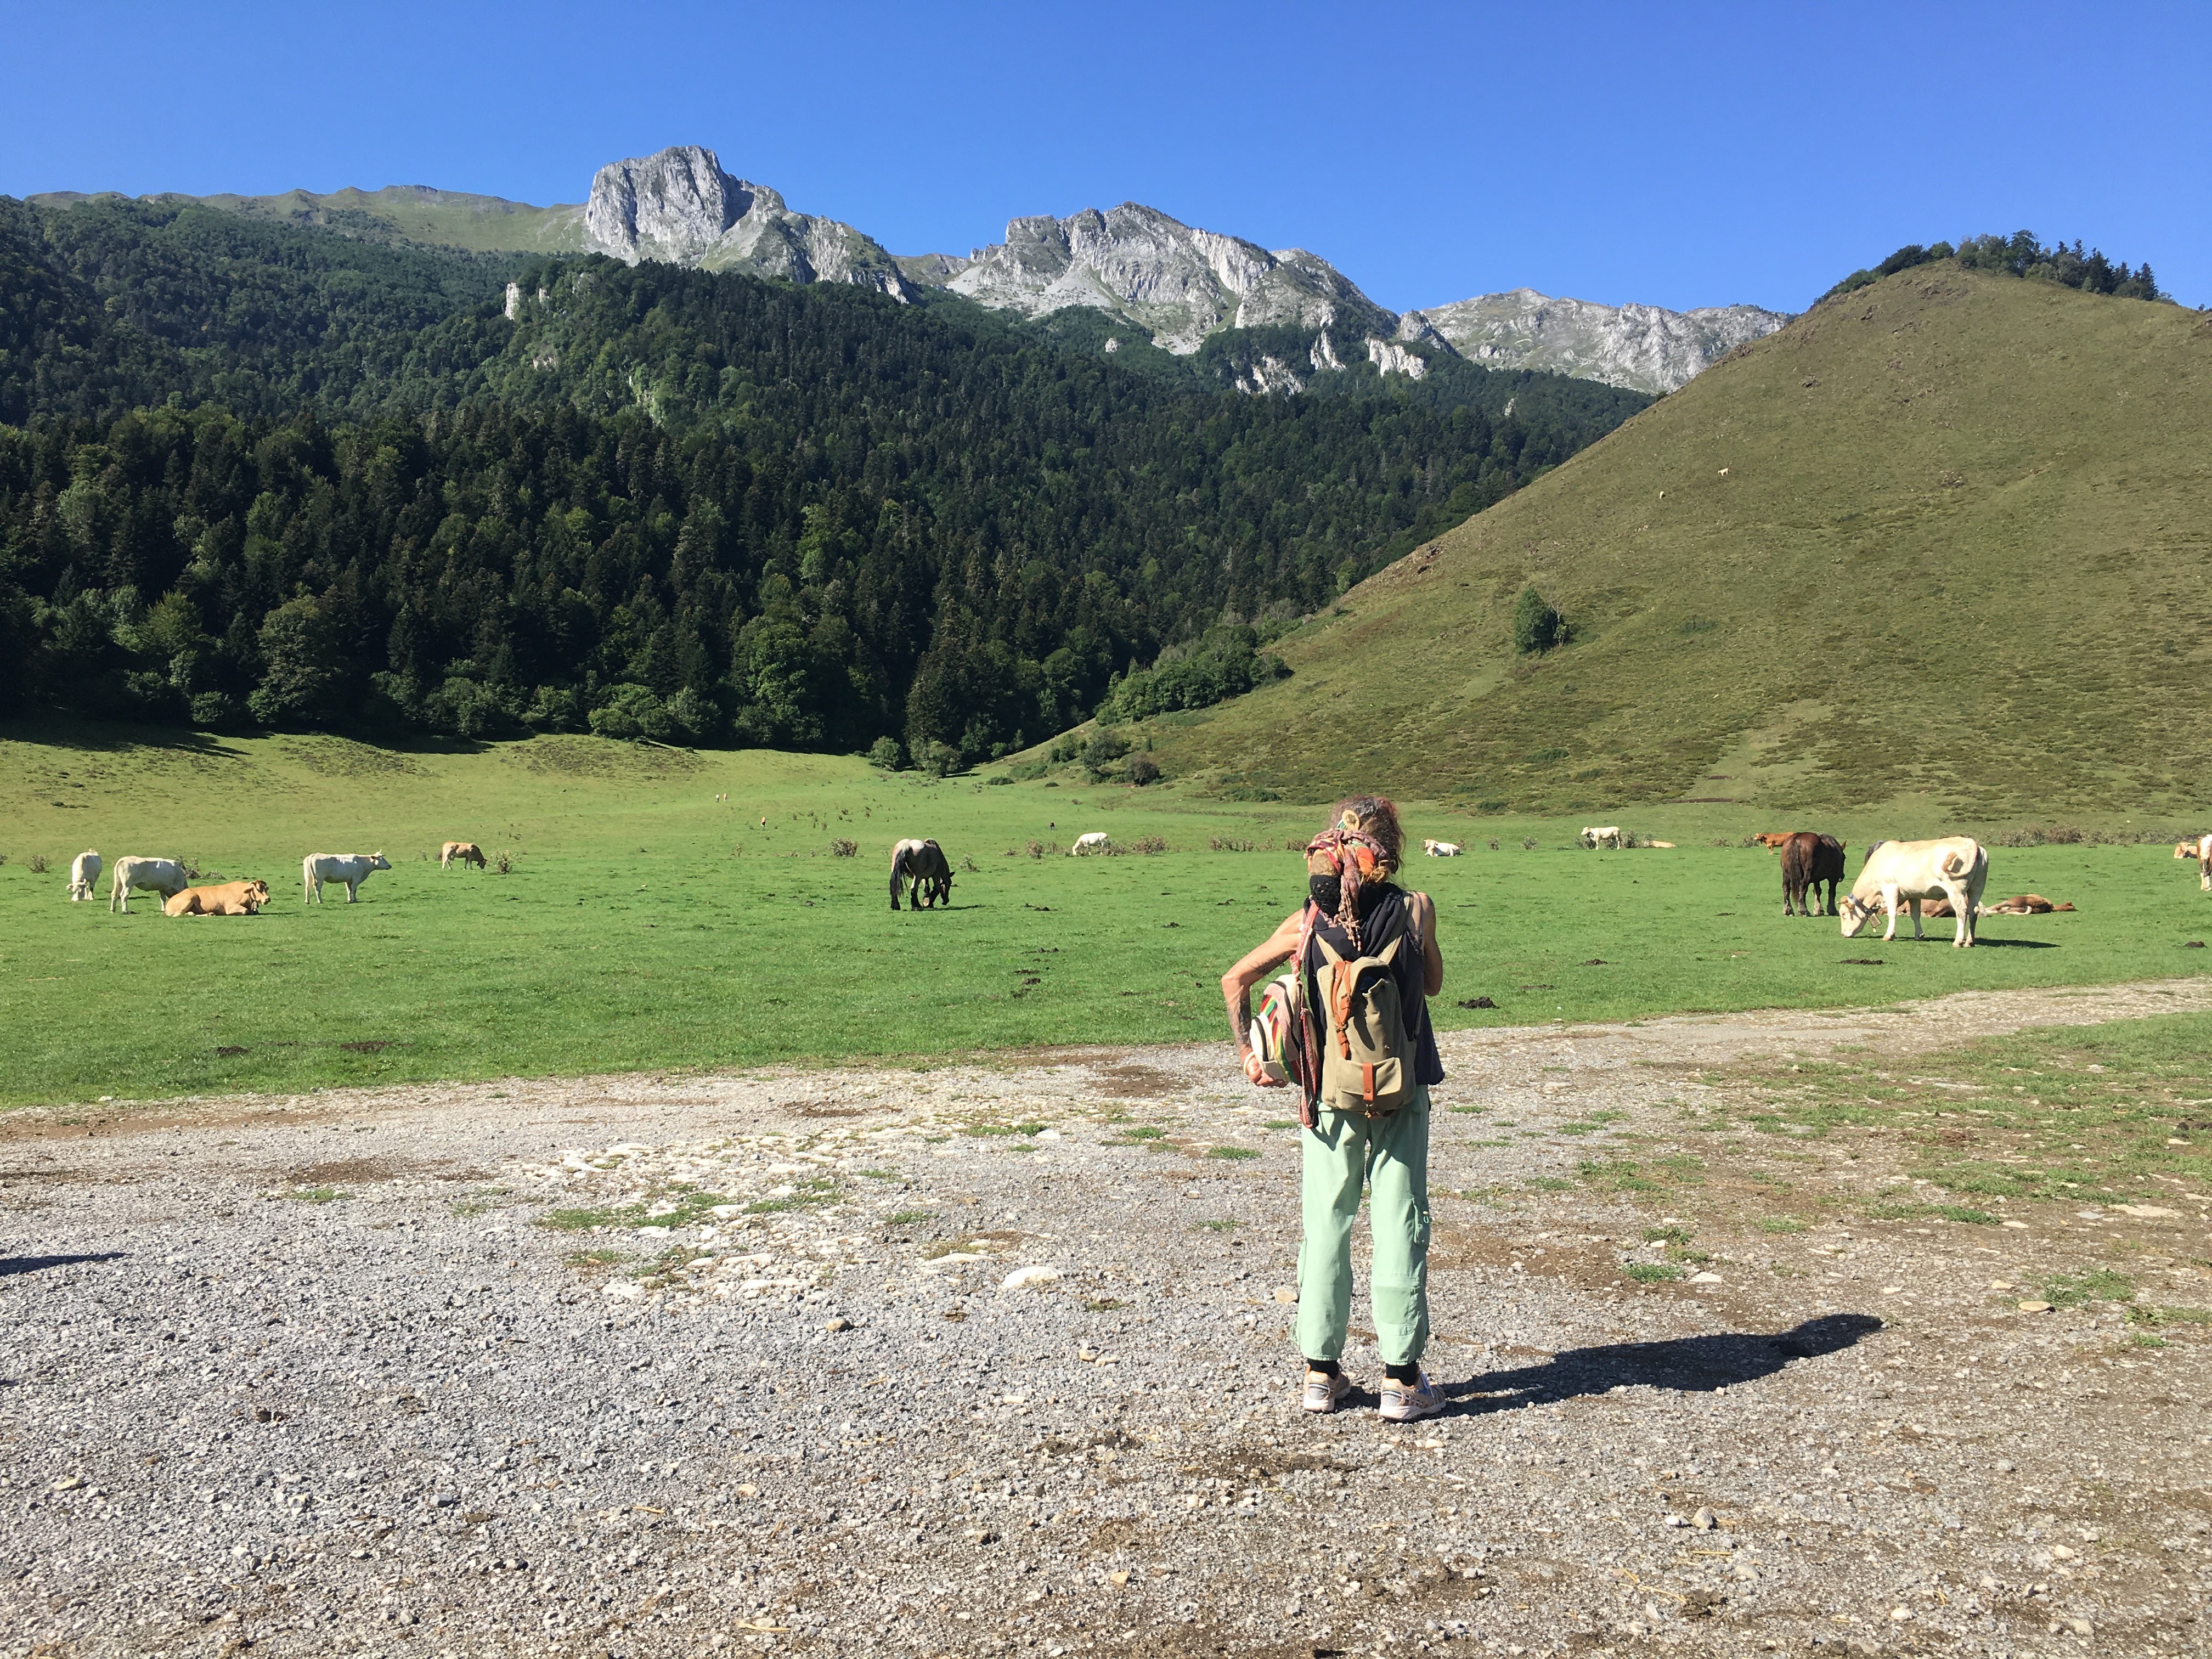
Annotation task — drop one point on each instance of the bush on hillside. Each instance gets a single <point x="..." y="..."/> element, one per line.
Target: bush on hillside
<point x="1144" y="770"/>
<point x="1536" y="626"/>
<point x="1226" y="662"/>
<point x="886" y="753"/>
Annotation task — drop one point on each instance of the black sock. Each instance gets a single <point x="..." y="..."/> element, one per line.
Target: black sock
<point x="1401" y="1373"/>
<point x="1325" y="1367"/>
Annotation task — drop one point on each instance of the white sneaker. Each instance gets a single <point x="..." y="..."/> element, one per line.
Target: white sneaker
<point x="1403" y="1402"/>
<point x="1325" y="1391"/>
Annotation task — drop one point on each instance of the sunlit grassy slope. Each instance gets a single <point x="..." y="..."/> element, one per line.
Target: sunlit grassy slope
<point x="646" y="923"/>
<point x="1950" y="537"/>
<point x="448" y="218"/>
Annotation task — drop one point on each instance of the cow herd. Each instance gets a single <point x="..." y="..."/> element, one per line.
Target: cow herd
<point x="172" y="881"/>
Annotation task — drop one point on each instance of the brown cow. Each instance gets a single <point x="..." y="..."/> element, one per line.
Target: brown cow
<point x="1808" y="860"/>
<point x="232" y="898"/>
<point x="466" y="851"/>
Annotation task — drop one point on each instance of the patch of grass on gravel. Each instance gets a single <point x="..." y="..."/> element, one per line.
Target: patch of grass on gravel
<point x="1653" y="1273"/>
<point x="909" y="1218"/>
<point x="1291" y="1123"/>
<point x="2098" y="1284"/>
<point x="1006" y="1128"/>
<point x="1547" y="1183"/>
<point x="1103" y="1304"/>
<point x="315" y="1195"/>
<point x="1783" y="1223"/>
<point x="2148" y="1313"/>
<point x="1233" y="1154"/>
<point x="678" y="1208"/>
<point x="1924" y="1211"/>
<point x="2063" y="1113"/>
<point x="592" y="1258"/>
<point x="1145" y="1132"/>
<point x="1620" y="1174"/>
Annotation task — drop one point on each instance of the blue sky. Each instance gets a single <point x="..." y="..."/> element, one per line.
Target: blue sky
<point x="1678" y="155"/>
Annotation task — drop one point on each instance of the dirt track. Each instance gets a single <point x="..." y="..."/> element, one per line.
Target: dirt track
<point x="313" y="1375"/>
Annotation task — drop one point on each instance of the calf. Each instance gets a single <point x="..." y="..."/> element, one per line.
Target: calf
<point x="1772" y="840"/>
<point x="346" y="869"/>
<point x="1809" y="860"/>
<point x="1907" y="871"/>
<point x="162" y="876"/>
<point x="466" y="851"/>
<point x="1441" y="849"/>
<point x="231" y="899"/>
<point x="84" y="875"/>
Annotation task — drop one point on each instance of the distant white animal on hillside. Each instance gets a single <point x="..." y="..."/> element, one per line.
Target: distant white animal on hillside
<point x="164" y="876"/>
<point x="1954" y="869"/>
<point x="1097" y="841"/>
<point x="1441" y="849"/>
<point x="1609" y="836"/>
<point x="348" y="869"/>
<point x="84" y="874"/>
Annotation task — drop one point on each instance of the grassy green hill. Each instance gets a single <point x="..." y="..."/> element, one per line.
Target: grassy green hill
<point x="414" y="213"/>
<point x="1946" y="538"/>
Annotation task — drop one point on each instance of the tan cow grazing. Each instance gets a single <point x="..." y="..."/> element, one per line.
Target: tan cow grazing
<point x="229" y="898"/>
<point x="1606" y="835"/>
<point x="466" y="851"/>
<point x="1905" y="872"/>
<point x="2201" y="850"/>
<point x="1773" y="840"/>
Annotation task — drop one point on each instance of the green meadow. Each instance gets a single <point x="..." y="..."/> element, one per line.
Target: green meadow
<point x="644" y="922"/>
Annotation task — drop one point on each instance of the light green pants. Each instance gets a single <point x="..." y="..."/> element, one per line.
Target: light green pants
<point x="1389" y="1156"/>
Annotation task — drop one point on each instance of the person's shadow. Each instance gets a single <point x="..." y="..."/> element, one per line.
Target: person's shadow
<point x="1693" y="1364"/>
<point x="10" y="1265"/>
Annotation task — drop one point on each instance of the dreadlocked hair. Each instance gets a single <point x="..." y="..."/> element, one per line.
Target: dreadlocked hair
<point x="1360" y="845"/>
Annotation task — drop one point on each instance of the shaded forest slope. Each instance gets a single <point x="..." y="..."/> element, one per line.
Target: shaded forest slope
<point x="1945" y="537"/>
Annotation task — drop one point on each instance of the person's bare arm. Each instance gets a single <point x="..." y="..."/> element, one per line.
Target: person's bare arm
<point x="1433" y="959"/>
<point x="1237" y="991"/>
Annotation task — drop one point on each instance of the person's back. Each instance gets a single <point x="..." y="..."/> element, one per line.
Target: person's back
<point x="1364" y="1055"/>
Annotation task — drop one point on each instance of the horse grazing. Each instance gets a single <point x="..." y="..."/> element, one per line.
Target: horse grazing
<point x="923" y="866"/>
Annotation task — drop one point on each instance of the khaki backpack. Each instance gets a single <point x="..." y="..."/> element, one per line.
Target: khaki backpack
<point x="1366" y="1058"/>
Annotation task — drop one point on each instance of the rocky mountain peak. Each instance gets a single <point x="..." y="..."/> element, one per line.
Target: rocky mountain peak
<point x="680" y="207"/>
<point x="1176" y="282"/>
<point x="1641" y="347"/>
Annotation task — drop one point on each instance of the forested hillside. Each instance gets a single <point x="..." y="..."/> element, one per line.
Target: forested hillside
<point x="257" y="472"/>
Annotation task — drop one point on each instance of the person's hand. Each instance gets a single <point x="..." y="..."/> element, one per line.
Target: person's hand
<point x="1255" y="1070"/>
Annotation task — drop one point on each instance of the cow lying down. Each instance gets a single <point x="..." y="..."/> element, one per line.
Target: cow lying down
<point x="229" y="898"/>
<point x="2020" y="904"/>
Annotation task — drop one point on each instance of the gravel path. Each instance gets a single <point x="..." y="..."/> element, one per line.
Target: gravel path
<point x="992" y="1358"/>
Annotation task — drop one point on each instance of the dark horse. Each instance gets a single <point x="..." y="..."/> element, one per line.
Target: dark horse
<point x="1808" y="861"/>
<point x="922" y="864"/>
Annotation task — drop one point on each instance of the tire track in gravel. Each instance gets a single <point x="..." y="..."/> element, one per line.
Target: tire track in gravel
<point x="993" y="1358"/>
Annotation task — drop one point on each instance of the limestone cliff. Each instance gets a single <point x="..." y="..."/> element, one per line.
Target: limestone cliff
<point x="679" y="207"/>
<point x="1640" y="347"/>
<point x="1177" y="282"/>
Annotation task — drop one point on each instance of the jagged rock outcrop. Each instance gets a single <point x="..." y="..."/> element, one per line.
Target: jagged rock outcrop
<point x="679" y="206"/>
<point x="1640" y="347"/>
<point x="1392" y="359"/>
<point x="1177" y="282"/>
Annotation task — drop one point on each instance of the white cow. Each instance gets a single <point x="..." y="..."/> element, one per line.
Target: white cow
<point x="1097" y="841"/>
<point x="1906" y="872"/>
<point x="2201" y="850"/>
<point x="164" y="876"/>
<point x="84" y="875"/>
<point x="1441" y="849"/>
<point x="350" y="869"/>
<point x="1609" y="836"/>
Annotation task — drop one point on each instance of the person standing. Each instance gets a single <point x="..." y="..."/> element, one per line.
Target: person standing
<point x="1363" y="1052"/>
